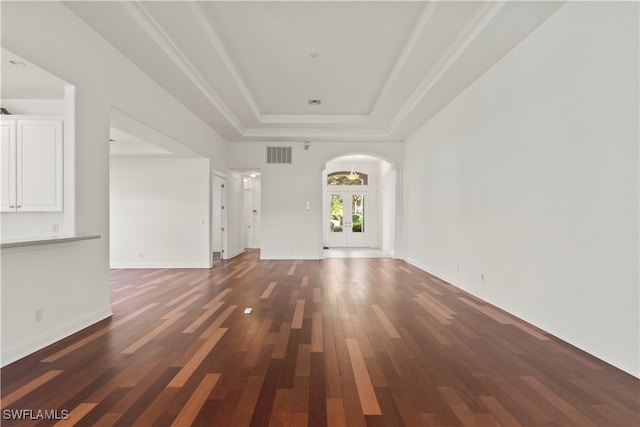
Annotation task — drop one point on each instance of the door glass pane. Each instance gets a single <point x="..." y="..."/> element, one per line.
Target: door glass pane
<point x="337" y="211"/>
<point x="357" y="213"/>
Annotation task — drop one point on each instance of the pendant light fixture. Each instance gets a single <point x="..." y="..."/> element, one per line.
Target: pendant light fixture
<point x="352" y="175"/>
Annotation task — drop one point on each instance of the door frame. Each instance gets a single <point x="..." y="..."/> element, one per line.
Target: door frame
<point x="218" y="228"/>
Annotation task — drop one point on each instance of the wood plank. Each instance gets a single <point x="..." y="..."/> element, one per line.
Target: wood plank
<point x="76" y="415"/>
<point x="500" y="414"/>
<point x="298" y="315"/>
<point x="181" y="307"/>
<point x="244" y="411"/>
<point x="317" y="336"/>
<point x="151" y="335"/>
<point x="203" y="318"/>
<point x="214" y="301"/>
<point x="194" y="404"/>
<point x="574" y="414"/>
<point x="386" y="323"/>
<point x="267" y="292"/>
<point x="182" y="296"/>
<point x="366" y="393"/>
<point x="188" y="369"/>
<point x="211" y="330"/>
<point x="335" y="413"/>
<point x="9" y="399"/>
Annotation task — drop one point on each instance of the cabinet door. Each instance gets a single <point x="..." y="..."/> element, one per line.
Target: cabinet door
<point x="8" y="166"/>
<point x="39" y="166"/>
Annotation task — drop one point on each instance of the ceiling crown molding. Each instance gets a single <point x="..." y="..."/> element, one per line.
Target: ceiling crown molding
<point x="487" y="11"/>
<point x="316" y="133"/>
<point x="215" y="41"/>
<point x="146" y="19"/>
<point x="425" y="17"/>
<point x="315" y="119"/>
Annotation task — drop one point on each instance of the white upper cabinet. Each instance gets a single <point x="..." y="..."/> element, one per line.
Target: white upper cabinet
<point x="32" y="165"/>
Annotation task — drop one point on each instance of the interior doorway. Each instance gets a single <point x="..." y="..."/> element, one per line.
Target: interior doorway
<point x="252" y="185"/>
<point x="218" y="217"/>
<point x="359" y="209"/>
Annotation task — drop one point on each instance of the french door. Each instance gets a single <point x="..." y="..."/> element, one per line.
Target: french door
<point x="348" y="226"/>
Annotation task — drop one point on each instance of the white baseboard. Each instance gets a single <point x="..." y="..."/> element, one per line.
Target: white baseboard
<point x="432" y="271"/>
<point x="159" y="265"/>
<point x="31" y="346"/>
<point x="234" y="254"/>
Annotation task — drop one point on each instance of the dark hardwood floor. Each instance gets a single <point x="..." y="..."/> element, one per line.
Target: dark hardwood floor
<point x="338" y="342"/>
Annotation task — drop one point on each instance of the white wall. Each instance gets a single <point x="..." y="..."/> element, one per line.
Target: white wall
<point x="530" y="177"/>
<point x="387" y="206"/>
<point x="159" y="213"/>
<point x="77" y="280"/>
<point x="289" y="230"/>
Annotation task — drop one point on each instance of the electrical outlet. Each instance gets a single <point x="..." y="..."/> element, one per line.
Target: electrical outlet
<point x="55" y="228"/>
<point x="37" y="315"/>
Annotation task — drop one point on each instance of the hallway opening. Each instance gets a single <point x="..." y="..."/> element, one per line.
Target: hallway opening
<point x="359" y="193"/>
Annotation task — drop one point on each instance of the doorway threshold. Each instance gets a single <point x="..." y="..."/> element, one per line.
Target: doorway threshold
<point x="356" y="253"/>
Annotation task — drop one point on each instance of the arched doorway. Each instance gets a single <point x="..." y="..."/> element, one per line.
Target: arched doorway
<point x="359" y="207"/>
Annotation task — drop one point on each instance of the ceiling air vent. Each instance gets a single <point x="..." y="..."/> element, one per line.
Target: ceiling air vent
<point x="278" y="155"/>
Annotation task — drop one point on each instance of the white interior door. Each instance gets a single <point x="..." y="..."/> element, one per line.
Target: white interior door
<point x="348" y="224"/>
<point x="248" y="218"/>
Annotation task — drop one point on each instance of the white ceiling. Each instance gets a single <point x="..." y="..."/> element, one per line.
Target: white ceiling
<point x="23" y="80"/>
<point x="248" y="69"/>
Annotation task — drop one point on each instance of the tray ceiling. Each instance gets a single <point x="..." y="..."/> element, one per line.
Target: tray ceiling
<point x="249" y="69"/>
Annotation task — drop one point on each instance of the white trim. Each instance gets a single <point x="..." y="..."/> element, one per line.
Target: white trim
<point x="425" y="17"/>
<point x="476" y="24"/>
<point x="205" y="24"/>
<point x="160" y="265"/>
<point x="315" y="119"/>
<point x="317" y="133"/>
<point x="26" y="348"/>
<point x="146" y="19"/>
<point x="234" y="254"/>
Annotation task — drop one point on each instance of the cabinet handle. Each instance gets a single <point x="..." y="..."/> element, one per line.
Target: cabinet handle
<point x="12" y="206"/>
<point x="19" y="206"/>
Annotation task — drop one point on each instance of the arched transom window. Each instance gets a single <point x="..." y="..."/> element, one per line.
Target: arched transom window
<point x="347" y="178"/>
